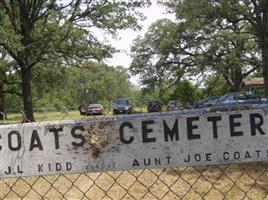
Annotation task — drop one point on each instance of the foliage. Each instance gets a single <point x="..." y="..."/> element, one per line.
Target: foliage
<point x="41" y="31"/>
<point x="9" y="82"/>
<point x="242" y="27"/>
<point x="59" y="87"/>
<point x="214" y="86"/>
<point x="144" y="95"/>
<point x="153" y="58"/>
<point x="207" y="37"/>
<point x="186" y="92"/>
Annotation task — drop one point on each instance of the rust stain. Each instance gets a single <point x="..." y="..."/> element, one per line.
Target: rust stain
<point x="98" y="138"/>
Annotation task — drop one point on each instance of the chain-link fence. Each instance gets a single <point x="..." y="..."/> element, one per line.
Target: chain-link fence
<point x="229" y="181"/>
<point x="232" y="181"/>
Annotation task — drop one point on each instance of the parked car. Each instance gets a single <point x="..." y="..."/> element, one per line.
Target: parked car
<point x="174" y="105"/>
<point x="208" y="102"/>
<point x="154" y="106"/>
<point x="122" y="106"/>
<point x="248" y="97"/>
<point x="91" y="109"/>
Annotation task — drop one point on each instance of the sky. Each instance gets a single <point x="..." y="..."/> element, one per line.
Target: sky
<point x="126" y="37"/>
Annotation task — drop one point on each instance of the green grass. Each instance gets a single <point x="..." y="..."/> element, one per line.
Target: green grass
<point x="42" y="116"/>
<point x="55" y="115"/>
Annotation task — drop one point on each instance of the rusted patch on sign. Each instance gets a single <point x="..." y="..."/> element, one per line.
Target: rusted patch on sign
<point x="99" y="137"/>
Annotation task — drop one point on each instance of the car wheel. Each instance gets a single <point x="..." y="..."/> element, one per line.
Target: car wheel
<point x="83" y="109"/>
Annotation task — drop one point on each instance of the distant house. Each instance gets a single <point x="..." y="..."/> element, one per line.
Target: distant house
<point x="253" y="83"/>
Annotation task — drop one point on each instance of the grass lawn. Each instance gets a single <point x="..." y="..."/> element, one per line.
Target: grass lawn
<point x="12" y="118"/>
<point x="42" y="116"/>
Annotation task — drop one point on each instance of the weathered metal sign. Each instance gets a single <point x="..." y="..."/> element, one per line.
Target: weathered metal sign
<point x="133" y="142"/>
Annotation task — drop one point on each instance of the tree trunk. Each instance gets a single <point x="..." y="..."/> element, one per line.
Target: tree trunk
<point x="264" y="48"/>
<point x="234" y="79"/>
<point x="2" y="113"/>
<point x="27" y="95"/>
<point x="265" y="65"/>
<point x="238" y="78"/>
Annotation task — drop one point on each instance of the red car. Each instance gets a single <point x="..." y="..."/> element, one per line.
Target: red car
<point x="91" y="109"/>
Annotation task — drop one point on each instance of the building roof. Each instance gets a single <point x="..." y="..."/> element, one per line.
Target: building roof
<point x="253" y="82"/>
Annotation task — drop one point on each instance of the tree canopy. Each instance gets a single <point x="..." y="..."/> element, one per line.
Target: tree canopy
<point x="226" y="38"/>
<point x="58" y="87"/>
<point x="35" y="31"/>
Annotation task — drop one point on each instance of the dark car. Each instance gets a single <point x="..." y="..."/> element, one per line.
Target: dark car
<point x="247" y="97"/>
<point x="91" y="109"/>
<point x="174" y="105"/>
<point x="154" y="106"/>
<point x="208" y="102"/>
<point x="122" y="106"/>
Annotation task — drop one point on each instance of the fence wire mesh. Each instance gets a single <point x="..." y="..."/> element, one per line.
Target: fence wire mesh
<point x="229" y="181"/>
<point x="232" y="181"/>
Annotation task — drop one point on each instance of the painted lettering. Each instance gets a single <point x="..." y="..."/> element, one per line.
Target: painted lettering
<point x="214" y="121"/>
<point x="198" y="157"/>
<point x="121" y="133"/>
<point x="135" y="163"/>
<point x="254" y="126"/>
<point x="56" y="131"/>
<point x="78" y="135"/>
<point x="191" y="127"/>
<point x="226" y="156"/>
<point x="234" y="124"/>
<point x="35" y="141"/>
<point x="146" y="131"/>
<point x="40" y="167"/>
<point x="171" y="133"/>
<point x="11" y="142"/>
<point x="10" y="171"/>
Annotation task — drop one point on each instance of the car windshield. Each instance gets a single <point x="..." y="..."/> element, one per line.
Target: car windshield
<point x="94" y="106"/>
<point x="154" y="102"/>
<point x="252" y="95"/>
<point x="171" y="103"/>
<point x="226" y="97"/>
<point x="122" y="102"/>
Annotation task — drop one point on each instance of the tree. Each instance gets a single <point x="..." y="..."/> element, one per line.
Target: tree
<point x="34" y="31"/>
<point x="3" y="68"/>
<point x="102" y="83"/>
<point x="154" y="58"/>
<point x="214" y="85"/>
<point x="57" y="86"/>
<point x="198" y="42"/>
<point x="187" y="92"/>
<point x="252" y="14"/>
<point x="8" y="81"/>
